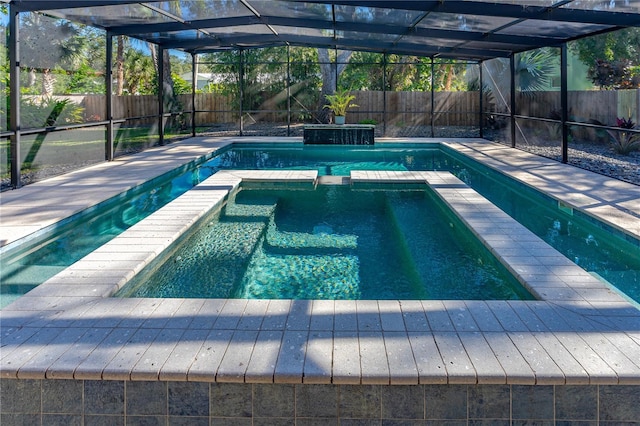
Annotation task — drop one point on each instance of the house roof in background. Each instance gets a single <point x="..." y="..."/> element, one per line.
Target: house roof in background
<point x="472" y="30"/>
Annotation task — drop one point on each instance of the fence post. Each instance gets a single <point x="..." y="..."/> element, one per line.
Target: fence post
<point x="564" y="101"/>
<point x="109" y="151"/>
<point x="481" y="121"/>
<point x="194" y="86"/>
<point x="512" y="107"/>
<point x="14" y="95"/>
<point x="161" y="95"/>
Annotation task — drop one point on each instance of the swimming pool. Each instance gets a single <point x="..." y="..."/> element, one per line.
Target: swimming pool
<point x="482" y="349"/>
<point x="597" y="248"/>
<point x="330" y="242"/>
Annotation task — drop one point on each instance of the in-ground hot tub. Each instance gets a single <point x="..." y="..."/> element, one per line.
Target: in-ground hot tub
<point x="330" y="242"/>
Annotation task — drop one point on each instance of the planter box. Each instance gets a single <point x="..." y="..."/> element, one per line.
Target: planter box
<point x="335" y="134"/>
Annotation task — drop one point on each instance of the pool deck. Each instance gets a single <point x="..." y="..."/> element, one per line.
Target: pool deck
<point x="579" y="332"/>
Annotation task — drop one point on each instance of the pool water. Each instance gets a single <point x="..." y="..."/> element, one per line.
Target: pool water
<point x="590" y="244"/>
<point x="333" y="242"/>
<point x="38" y="260"/>
<point x="330" y="160"/>
<point x="596" y="247"/>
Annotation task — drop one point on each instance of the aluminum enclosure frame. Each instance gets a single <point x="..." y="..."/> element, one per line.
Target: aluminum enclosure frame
<point x="462" y="44"/>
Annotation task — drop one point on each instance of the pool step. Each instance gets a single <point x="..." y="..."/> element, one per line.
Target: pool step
<point x="411" y="224"/>
<point x="333" y="180"/>
<point x="459" y="269"/>
<point x="250" y="205"/>
<point x="212" y="263"/>
<point x="442" y="271"/>
<point x="303" y="265"/>
<point x="291" y="276"/>
<point x="321" y="238"/>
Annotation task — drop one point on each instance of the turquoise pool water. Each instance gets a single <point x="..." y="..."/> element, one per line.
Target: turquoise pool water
<point x="590" y="244"/>
<point x="332" y="242"/>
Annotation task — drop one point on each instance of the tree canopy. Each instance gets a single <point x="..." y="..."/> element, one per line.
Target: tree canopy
<point x="59" y="57"/>
<point x="613" y="58"/>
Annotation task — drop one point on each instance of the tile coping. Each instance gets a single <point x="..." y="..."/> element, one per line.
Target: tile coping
<point x="580" y="331"/>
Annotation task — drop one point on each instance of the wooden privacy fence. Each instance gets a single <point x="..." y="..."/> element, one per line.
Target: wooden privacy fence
<point x="596" y="106"/>
<point x="414" y="108"/>
<point x="217" y="107"/>
<point x="408" y="108"/>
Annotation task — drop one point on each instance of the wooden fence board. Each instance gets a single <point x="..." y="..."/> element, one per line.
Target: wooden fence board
<point x="408" y="108"/>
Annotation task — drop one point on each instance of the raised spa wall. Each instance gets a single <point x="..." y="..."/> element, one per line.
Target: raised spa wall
<point x="89" y="402"/>
<point x="341" y="134"/>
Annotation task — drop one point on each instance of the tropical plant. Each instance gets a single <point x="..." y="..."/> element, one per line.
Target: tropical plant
<point x="533" y="71"/>
<point x="139" y="73"/>
<point x="340" y="102"/>
<point x="617" y="74"/>
<point x="613" y="58"/>
<point x="368" y="121"/>
<point x="332" y="65"/>
<point x="47" y="112"/>
<point x="84" y="79"/>
<point x="180" y="85"/>
<point x="625" y="141"/>
<point x="46" y="44"/>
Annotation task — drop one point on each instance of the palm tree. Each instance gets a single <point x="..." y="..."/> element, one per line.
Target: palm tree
<point x="120" y="65"/>
<point x="533" y="71"/>
<point x="167" y="80"/>
<point x="138" y="72"/>
<point x="47" y="43"/>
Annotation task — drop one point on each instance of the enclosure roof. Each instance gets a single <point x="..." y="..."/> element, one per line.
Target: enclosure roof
<point x="467" y="30"/>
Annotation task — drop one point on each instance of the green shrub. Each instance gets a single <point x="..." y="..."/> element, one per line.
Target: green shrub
<point x="48" y="112"/>
<point x="368" y="121"/>
<point x="624" y="141"/>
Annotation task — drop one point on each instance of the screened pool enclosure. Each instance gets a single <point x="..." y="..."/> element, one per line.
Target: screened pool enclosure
<point x="86" y="81"/>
